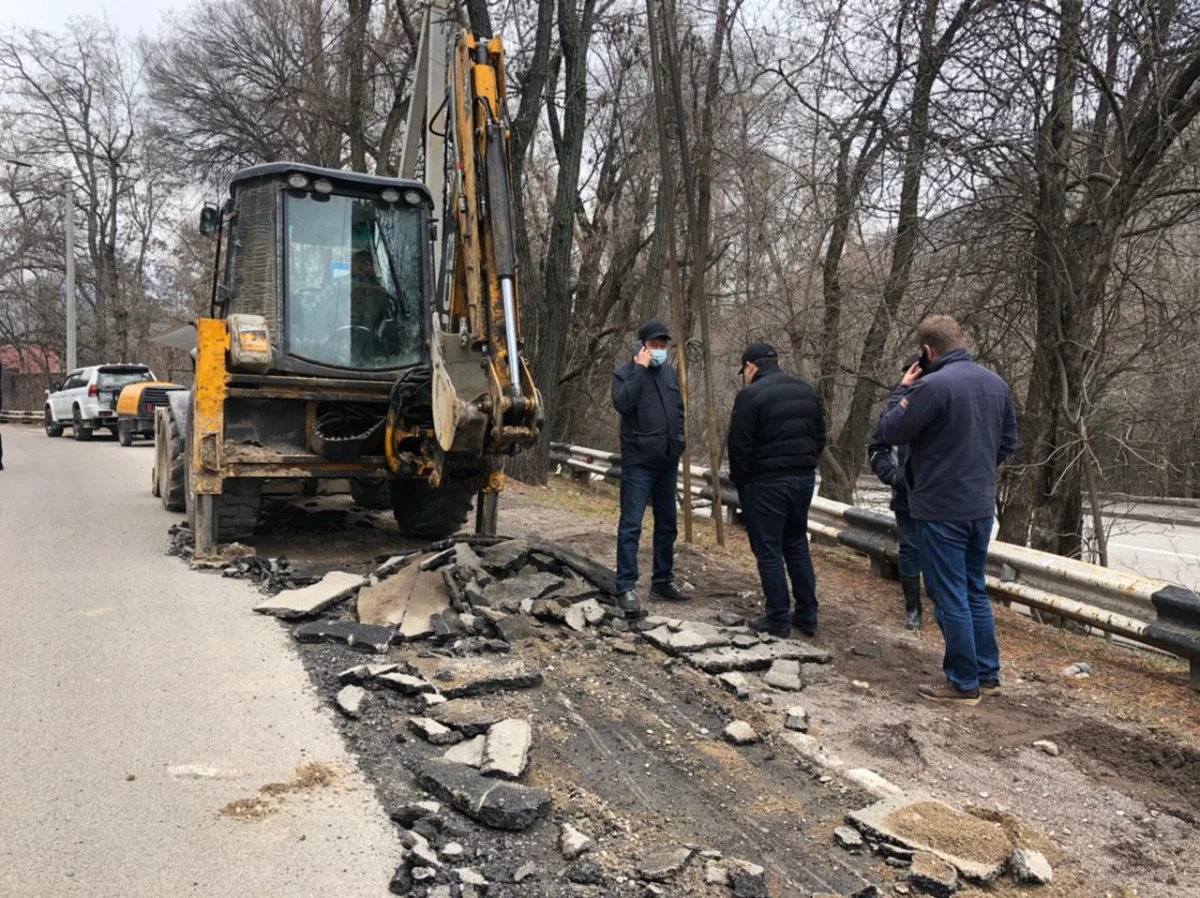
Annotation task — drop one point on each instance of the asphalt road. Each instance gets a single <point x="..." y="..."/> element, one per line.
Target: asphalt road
<point x="141" y="697"/>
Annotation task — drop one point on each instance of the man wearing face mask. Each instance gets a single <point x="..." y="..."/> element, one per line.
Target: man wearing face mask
<point x="776" y="437"/>
<point x="646" y="393"/>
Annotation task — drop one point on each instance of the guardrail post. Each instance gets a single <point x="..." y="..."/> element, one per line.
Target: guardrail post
<point x="1178" y="613"/>
<point x="884" y="568"/>
<point x="581" y="477"/>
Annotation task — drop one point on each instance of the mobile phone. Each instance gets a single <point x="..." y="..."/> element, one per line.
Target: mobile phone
<point x="923" y="362"/>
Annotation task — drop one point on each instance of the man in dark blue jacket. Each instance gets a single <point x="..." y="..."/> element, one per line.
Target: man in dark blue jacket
<point x="958" y="421"/>
<point x="646" y="393"/>
<point x="776" y="436"/>
<point x="888" y="464"/>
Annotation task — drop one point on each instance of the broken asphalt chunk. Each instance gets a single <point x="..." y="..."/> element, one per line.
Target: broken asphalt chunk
<point x="506" y="748"/>
<point x="350" y="700"/>
<point x="433" y="732"/>
<point x="603" y="578"/>
<point x="663" y="865"/>
<point x="741" y="733"/>
<point x="784" y="674"/>
<point x="469" y="717"/>
<point x="514" y="590"/>
<point x="405" y="684"/>
<point x="1030" y="867"/>
<point x="932" y="875"/>
<point x="469" y="752"/>
<point x="735" y="683"/>
<point x="748" y="880"/>
<point x="310" y="600"/>
<point x="495" y="803"/>
<point x="361" y="673"/>
<point x="360" y="637"/>
<point x="572" y="843"/>
<point x="463" y="677"/>
<point x="978" y="849"/>
<point x="758" y="657"/>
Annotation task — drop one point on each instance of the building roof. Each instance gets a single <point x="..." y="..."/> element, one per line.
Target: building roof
<point x="30" y="360"/>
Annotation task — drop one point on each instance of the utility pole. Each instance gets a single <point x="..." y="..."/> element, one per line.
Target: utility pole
<point x="69" y="228"/>
<point x="668" y="201"/>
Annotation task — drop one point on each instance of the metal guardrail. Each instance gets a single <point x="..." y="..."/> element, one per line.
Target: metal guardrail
<point x="11" y="417"/>
<point x="1151" y="612"/>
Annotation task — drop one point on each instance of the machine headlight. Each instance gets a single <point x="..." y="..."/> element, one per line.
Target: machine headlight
<point x="249" y="343"/>
<point x="298" y="181"/>
<point x="413" y="197"/>
<point x="390" y="196"/>
<point x="323" y="186"/>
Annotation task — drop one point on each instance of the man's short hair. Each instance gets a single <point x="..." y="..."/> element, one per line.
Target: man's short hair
<point x="941" y="332"/>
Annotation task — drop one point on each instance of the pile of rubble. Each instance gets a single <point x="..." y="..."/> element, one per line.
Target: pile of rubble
<point x="444" y="625"/>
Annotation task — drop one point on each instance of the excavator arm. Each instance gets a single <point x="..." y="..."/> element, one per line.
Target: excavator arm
<point x="484" y="400"/>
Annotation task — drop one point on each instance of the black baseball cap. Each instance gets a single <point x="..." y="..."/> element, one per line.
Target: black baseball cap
<point x="653" y="330"/>
<point x="755" y="353"/>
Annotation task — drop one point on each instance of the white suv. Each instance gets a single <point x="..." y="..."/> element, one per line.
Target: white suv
<point x="87" y="399"/>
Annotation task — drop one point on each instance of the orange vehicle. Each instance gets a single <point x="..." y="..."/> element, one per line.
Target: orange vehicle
<point x="135" y="408"/>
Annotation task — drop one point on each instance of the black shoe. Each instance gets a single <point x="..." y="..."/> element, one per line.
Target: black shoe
<point x="991" y="687"/>
<point x="807" y="627"/>
<point x="912" y="602"/>
<point x="766" y="625"/>
<point x="667" y="592"/>
<point x="629" y="604"/>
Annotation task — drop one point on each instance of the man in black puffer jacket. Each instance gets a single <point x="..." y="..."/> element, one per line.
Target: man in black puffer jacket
<point x="776" y="437"/>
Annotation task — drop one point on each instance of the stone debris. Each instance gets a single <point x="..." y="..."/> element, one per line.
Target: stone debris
<point x="350" y="700"/>
<point x="745" y="641"/>
<point x="469" y="752"/>
<point x="758" y="657"/>
<point x="464" y="677"/>
<point x="469" y="716"/>
<point x="1076" y="670"/>
<point x="389" y="567"/>
<point x="593" y="611"/>
<point x="1045" y="745"/>
<point x="361" y="673"/>
<point x="310" y="600"/>
<point x="868" y="651"/>
<point x="408" y="814"/>
<point x="586" y="873"/>
<point x="523" y="872"/>
<point x="748" y="880"/>
<point x="784" y="674"/>
<point x="796" y="718"/>
<point x="730" y="619"/>
<point x="848" y="837"/>
<point x="433" y="732"/>
<point x="663" y="865"/>
<point x="716" y="874"/>
<point x="740" y="733"/>
<point x="914" y="821"/>
<point x="1030" y="867"/>
<point x="572" y="843"/>
<point x="360" y="637"/>
<point x="735" y="683"/>
<point x="506" y="749"/>
<point x="574" y="618"/>
<point x="495" y="803"/>
<point x="932" y="875"/>
<point x="405" y="684"/>
<point x="451" y="851"/>
<point x="506" y="594"/>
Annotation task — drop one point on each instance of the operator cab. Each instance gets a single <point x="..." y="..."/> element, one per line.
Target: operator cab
<point x="337" y="265"/>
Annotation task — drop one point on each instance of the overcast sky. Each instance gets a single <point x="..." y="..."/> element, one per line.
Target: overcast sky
<point x="130" y="16"/>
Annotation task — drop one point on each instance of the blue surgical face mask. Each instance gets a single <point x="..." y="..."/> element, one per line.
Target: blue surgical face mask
<point x="658" y="357"/>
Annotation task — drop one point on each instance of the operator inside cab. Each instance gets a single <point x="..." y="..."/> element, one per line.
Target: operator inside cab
<point x="373" y="309"/>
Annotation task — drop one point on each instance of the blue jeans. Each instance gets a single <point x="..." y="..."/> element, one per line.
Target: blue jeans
<point x="642" y="485"/>
<point x="910" y="552"/>
<point x="776" y="515"/>
<point x="954" y="561"/>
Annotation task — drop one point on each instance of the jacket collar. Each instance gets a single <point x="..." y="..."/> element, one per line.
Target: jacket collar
<point x="767" y="366"/>
<point x="955" y="355"/>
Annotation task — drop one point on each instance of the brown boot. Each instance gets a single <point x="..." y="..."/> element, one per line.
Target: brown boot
<point x="949" y="694"/>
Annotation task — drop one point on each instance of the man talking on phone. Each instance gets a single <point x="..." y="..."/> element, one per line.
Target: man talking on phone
<point x="645" y="391"/>
<point x="958" y="421"/>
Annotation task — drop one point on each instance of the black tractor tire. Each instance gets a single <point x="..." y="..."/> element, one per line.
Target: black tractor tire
<point x="427" y="513"/>
<point x="172" y="477"/>
<point x="53" y="428"/>
<point x="371" y="492"/>
<point x="81" y="433"/>
<point x="125" y="433"/>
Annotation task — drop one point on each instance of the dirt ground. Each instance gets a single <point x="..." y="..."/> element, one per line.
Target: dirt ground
<point x="1122" y="799"/>
<point x="629" y="745"/>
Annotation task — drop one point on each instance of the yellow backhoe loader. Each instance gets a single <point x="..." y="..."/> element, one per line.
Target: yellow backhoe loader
<point x="348" y="339"/>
